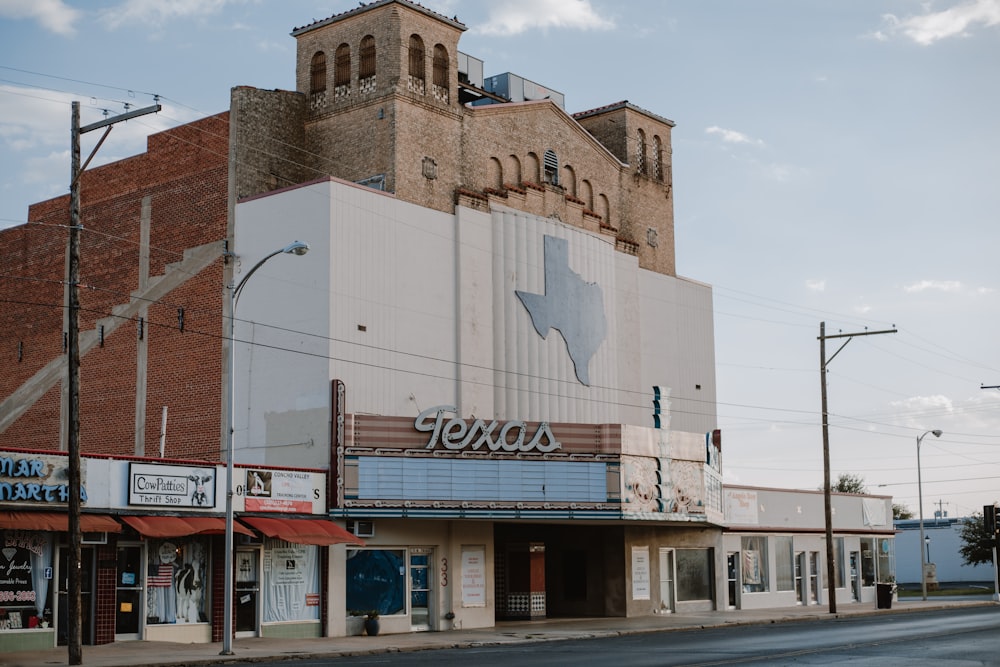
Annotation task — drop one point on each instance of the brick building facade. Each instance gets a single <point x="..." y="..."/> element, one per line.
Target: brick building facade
<point x="380" y="100"/>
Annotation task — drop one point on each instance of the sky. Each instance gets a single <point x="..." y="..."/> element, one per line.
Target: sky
<point x="834" y="161"/>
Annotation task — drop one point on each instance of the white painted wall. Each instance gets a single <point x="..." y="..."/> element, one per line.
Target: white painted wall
<point x="413" y="308"/>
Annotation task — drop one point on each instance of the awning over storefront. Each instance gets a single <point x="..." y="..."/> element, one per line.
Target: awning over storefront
<point x="89" y="523"/>
<point x="180" y="526"/>
<point x="304" y="531"/>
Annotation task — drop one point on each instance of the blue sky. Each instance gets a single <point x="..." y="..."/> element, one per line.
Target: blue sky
<point x="834" y="160"/>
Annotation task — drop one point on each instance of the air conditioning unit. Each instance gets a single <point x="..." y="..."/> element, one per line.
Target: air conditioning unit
<point x="361" y="528"/>
<point x="94" y="538"/>
<point x="248" y="540"/>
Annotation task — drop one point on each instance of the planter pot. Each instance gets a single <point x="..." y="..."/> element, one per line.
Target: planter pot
<point x="371" y="627"/>
<point x="883" y="596"/>
<point x="355" y="626"/>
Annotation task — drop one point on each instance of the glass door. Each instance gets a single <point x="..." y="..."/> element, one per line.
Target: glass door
<point x="129" y="605"/>
<point x="855" y="577"/>
<point x="733" y="575"/>
<point x="420" y="589"/>
<point x="247" y="592"/>
<point x="800" y="566"/>
<point x="813" y="577"/>
<point x="86" y="596"/>
<point x="667" y="596"/>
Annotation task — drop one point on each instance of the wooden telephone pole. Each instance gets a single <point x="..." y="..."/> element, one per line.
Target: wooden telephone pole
<point x="827" y="502"/>
<point x="74" y="636"/>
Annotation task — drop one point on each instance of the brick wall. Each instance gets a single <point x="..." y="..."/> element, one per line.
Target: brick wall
<point x="184" y="174"/>
<point x="430" y="147"/>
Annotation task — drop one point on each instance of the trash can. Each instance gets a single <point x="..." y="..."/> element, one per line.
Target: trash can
<point x="883" y="596"/>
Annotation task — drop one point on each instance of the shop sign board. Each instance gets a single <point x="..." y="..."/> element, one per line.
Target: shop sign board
<point x="284" y="491"/>
<point x="171" y="486"/>
<point x="37" y="478"/>
<point x="458" y="434"/>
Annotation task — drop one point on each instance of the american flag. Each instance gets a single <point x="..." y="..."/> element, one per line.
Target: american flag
<point x="163" y="578"/>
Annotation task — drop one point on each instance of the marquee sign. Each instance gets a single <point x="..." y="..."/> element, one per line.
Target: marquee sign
<point x="458" y="434"/>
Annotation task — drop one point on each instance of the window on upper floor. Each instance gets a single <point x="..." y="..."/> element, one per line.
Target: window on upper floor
<point x="551" y="167"/>
<point x="317" y="71"/>
<point x="657" y="158"/>
<point x="416" y="57"/>
<point x="366" y="69"/>
<point x="440" y="66"/>
<point x="640" y="152"/>
<point x="342" y="65"/>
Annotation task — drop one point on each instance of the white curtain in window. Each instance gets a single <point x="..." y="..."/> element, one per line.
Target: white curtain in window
<point x="40" y="562"/>
<point x="291" y="581"/>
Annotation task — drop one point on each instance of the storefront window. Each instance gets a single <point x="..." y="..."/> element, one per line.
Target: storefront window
<point x="176" y="580"/>
<point x="755" y="561"/>
<point x="376" y="580"/>
<point x="291" y="581"/>
<point x="25" y="574"/>
<point x="784" y="560"/>
<point x="886" y="560"/>
<point x="694" y="574"/>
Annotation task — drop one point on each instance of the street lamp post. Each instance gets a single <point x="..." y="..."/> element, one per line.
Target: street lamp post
<point x="920" y="501"/>
<point x="295" y="248"/>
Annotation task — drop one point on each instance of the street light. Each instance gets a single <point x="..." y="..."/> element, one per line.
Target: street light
<point x="927" y="543"/>
<point x="920" y="500"/>
<point x="294" y="248"/>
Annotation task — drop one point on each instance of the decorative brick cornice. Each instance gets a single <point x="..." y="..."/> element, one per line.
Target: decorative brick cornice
<point x="531" y="185"/>
<point x="626" y="246"/>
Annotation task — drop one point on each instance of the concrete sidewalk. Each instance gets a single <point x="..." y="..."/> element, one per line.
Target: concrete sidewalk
<point x="166" y="654"/>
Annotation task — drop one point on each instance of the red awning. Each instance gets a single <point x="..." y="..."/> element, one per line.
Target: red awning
<point x="181" y="526"/>
<point x="304" y="531"/>
<point x="89" y="523"/>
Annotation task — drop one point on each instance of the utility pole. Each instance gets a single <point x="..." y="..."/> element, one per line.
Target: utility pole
<point x="74" y="634"/>
<point x="827" y="501"/>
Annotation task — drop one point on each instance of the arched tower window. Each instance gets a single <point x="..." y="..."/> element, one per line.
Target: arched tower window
<point x="366" y="53"/>
<point x="657" y="158"/>
<point x="317" y="73"/>
<point x="416" y="58"/>
<point x="441" y="73"/>
<point x="416" y="82"/>
<point x="342" y="70"/>
<point x="640" y="152"/>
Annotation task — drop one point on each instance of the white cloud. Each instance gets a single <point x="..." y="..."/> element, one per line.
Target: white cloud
<point x="937" y="285"/>
<point x="733" y="136"/>
<point x="816" y="285"/>
<point x="956" y="21"/>
<point x="53" y="15"/>
<point x="513" y="17"/>
<point x="937" y="403"/>
<point x="155" y="12"/>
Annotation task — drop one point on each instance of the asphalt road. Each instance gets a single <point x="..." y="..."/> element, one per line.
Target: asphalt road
<point x="957" y="637"/>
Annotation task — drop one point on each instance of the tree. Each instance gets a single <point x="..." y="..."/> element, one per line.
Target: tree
<point x="850" y="483"/>
<point x="900" y="511"/>
<point x="977" y="542"/>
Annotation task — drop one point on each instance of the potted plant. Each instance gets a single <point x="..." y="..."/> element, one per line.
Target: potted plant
<point x="371" y="623"/>
<point x="355" y="622"/>
<point x="884" y="592"/>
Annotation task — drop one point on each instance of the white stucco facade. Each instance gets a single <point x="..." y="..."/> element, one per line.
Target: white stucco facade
<point x="412" y="308"/>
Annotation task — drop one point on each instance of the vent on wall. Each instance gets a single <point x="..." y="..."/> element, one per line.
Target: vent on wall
<point x="361" y="528"/>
